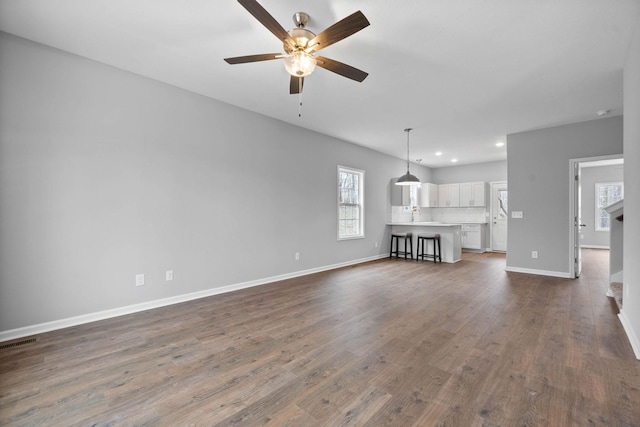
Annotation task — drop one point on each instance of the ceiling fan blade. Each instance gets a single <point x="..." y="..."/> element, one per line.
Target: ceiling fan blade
<point x="295" y="85"/>
<point x="343" y="69"/>
<point x="265" y="18"/>
<point x="253" y="58"/>
<point x="338" y="31"/>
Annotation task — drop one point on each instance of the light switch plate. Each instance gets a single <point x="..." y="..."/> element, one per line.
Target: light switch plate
<point x="516" y="214"/>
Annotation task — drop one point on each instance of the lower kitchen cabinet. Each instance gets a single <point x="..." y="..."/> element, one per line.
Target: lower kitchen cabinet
<point x="473" y="237"/>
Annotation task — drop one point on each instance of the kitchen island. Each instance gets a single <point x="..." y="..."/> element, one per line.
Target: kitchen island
<point x="450" y="243"/>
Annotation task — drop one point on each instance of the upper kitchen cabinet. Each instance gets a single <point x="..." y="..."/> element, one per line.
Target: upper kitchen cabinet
<point x="448" y="195"/>
<point x="406" y="194"/>
<point x="472" y="194"/>
<point x="403" y="195"/>
<point x="395" y="192"/>
<point x="428" y="195"/>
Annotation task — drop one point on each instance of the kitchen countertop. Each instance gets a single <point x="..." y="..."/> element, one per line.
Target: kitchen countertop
<point x="426" y="224"/>
<point x="436" y="223"/>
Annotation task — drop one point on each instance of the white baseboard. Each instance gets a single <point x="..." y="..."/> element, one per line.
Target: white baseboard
<point x="539" y="272"/>
<point x="617" y="277"/>
<point x="121" y="311"/>
<point x="594" y="247"/>
<point x="633" y="338"/>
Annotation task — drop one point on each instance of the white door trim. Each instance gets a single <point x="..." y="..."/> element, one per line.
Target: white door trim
<point x="491" y="209"/>
<point x="573" y="163"/>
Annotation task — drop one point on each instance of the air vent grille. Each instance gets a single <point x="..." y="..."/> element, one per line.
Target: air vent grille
<point x="17" y="343"/>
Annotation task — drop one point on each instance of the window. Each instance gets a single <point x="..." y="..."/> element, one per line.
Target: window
<point x="503" y="204"/>
<point x="606" y="194"/>
<point x="350" y="203"/>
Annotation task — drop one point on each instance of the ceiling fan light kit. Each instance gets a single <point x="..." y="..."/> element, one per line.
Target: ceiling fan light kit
<point x="299" y="63"/>
<point x="408" y="179"/>
<point x="300" y="45"/>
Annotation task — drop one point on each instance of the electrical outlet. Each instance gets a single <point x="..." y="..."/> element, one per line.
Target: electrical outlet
<point x="139" y="279"/>
<point x="534" y="254"/>
<point x="376" y="244"/>
<point x="297" y="256"/>
<point x="169" y="275"/>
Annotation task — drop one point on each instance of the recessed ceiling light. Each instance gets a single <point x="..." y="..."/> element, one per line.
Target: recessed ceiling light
<point x="454" y="160"/>
<point x="438" y="153"/>
<point x="500" y="144"/>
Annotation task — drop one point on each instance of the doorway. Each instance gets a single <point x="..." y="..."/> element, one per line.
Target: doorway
<point x="575" y="208"/>
<point x="499" y="214"/>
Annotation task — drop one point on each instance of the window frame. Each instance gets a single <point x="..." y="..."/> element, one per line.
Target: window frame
<point x="360" y="204"/>
<point x="599" y="209"/>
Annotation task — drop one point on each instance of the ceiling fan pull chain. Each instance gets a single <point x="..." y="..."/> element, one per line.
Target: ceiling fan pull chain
<point x="300" y="105"/>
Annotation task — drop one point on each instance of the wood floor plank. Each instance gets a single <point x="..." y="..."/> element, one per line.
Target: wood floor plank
<point x="384" y="343"/>
<point x="462" y="390"/>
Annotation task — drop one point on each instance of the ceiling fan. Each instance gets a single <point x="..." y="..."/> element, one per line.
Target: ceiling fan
<point x="300" y="45"/>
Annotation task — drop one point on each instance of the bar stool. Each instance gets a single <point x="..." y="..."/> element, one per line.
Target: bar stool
<point x="407" y="237"/>
<point x="421" y="254"/>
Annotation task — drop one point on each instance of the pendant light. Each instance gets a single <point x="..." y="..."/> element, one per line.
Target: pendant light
<point x="408" y="179"/>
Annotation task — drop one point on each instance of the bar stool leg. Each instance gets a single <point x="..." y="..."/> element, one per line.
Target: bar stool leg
<point x="411" y="246"/>
<point x="391" y="247"/>
<point x="397" y="246"/>
<point x="405" y="248"/>
<point x="434" y="250"/>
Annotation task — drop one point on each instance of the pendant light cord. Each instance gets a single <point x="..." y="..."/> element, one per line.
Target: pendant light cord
<point x="407" y="130"/>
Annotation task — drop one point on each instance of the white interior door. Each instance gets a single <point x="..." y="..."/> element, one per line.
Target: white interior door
<point x="577" y="221"/>
<point x="499" y="216"/>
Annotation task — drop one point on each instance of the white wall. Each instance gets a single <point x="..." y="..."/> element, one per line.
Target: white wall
<point x="630" y="314"/>
<point x="105" y="174"/>
<point x="539" y="185"/>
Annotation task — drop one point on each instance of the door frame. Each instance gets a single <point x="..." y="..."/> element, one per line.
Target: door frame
<point x="574" y="164"/>
<point x="491" y="210"/>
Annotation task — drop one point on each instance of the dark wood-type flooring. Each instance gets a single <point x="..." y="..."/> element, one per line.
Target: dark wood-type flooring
<point x="385" y="343"/>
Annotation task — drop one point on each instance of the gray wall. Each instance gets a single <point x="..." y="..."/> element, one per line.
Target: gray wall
<point x="588" y="179"/>
<point x="539" y="186"/>
<point x="105" y="174"/>
<point x="488" y="172"/>
<point x="631" y="304"/>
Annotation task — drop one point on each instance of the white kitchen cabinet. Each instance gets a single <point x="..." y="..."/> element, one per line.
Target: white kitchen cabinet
<point x="473" y="236"/>
<point x="400" y="194"/>
<point x="472" y="194"/>
<point x="406" y="195"/>
<point x="428" y="195"/>
<point x="449" y="195"/>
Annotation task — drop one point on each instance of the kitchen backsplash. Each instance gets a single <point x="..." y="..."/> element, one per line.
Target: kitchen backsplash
<point x="398" y="214"/>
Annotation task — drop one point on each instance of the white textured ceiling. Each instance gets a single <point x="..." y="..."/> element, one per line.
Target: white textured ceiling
<point x="462" y="73"/>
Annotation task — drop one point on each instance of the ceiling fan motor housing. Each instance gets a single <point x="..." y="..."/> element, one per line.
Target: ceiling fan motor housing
<point x="301" y="37"/>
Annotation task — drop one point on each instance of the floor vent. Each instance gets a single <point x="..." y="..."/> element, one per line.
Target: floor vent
<point x="17" y="343"/>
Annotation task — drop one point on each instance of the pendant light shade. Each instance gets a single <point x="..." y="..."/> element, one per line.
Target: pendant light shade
<point x="408" y="179"/>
